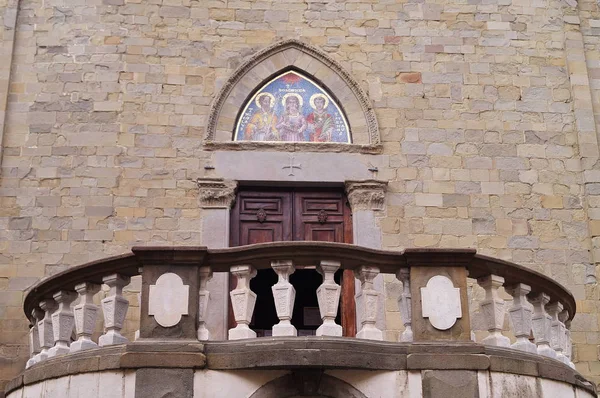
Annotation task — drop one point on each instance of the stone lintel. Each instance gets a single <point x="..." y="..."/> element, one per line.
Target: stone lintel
<point x="268" y="146"/>
<point x="366" y="194"/>
<point x="216" y="193"/>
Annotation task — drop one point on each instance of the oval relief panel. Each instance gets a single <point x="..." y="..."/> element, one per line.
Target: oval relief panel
<point x="168" y="299"/>
<point x="440" y="302"/>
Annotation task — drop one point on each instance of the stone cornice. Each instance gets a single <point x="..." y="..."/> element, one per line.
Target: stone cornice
<point x="366" y="194"/>
<point x="301" y="352"/>
<point x="216" y="193"/>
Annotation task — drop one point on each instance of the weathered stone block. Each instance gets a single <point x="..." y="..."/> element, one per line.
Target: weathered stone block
<point x="450" y="384"/>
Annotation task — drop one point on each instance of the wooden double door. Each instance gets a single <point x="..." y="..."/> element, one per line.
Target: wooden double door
<point x="263" y="215"/>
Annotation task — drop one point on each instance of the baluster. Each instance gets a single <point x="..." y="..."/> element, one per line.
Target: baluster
<point x="138" y="296"/>
<point x="34" y="338"/>
<point x="242" y="300"/>
<point x="63" y="322"/>
<point x="557" y="330"/>
<point x="370" y="303"/>
<point x="86" y="313"/>
<point x="114" y="308"/>
<point x="45" y="328"/>
<point x="284" y="295"/>
<point x="521" y="317"/>
<point x="328" y="296"/>
<point x="203" y="297"/>
<point x="405" y="304"/>
<point x="541" y="325"/>
<point x="563" y="316"/>
<point x="493" y="310"/>
<point x="569" y="342"/>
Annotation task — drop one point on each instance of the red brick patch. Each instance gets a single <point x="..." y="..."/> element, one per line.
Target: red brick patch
<point x="411" y="77"/>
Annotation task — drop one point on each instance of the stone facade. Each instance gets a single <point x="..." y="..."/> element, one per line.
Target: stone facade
<point x="335" y="368"/>
<point x="487" y="115"/>
<point x="271" y="383"/>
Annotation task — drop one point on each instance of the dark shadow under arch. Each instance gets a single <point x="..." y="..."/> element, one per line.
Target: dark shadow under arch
<point x="312" y="383"/>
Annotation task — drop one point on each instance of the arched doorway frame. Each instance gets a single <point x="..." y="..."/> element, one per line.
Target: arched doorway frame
<point x="274" y="60"/>
<point x="354" y="166"/>
<point x="313" y="383"/>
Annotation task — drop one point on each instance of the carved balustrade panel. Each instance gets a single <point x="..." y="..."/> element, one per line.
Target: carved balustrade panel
<point x="175" y="300"/>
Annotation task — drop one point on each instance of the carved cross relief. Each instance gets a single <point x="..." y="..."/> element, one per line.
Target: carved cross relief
<point x="292" y="166"/>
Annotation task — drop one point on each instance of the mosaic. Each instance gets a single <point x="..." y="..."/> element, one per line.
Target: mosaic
<point x="292" y="107"/>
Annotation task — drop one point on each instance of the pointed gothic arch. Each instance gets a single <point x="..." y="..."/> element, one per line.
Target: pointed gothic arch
<point x="276" y="59"/>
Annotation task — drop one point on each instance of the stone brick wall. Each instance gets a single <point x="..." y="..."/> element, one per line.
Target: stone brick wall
<point x="485" y="110"/>
<point x="8" y="16"/>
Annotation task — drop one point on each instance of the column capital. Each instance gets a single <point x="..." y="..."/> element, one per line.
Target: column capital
<point x="216" y="193"/>
<point x="366" y="194"/>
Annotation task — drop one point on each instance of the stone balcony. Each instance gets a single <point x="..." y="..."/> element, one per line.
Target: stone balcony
<point x="173" y="352"/>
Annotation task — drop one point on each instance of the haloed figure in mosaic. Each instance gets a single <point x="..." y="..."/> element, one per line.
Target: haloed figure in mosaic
<point x="320" y="122"/>
<point x="262" y="125"/>
<point x="292" y="124"/>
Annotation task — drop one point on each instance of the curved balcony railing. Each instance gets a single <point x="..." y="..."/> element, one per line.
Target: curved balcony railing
<point x="174" y="297"/>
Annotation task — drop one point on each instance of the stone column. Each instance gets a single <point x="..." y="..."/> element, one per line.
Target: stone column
<point x="370" y="298"/>
<point x="557" y="331"/>
<point x="34" y="338"/>
<point x="541" y="325"/>
<point x="328" y="296"/>
<point x="405" y="304"/>
<point x="114" y="308"/>
<point x="63" y="322"/>
<point x="215" y="197"/>
<point x="86" y="313"/>
<point x="521" y="317"/>
<point x="45" y="328"/>
<point x="367" y="201"/>
<point x="492" y="308"/>
<point x="242" y="300"/>
<point x="284" y="295"/>
<point x="204" y="295"/>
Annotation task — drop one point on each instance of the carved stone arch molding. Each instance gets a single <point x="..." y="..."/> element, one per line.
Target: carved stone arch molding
<point x="312" y="383"/>
<point x="276" y="59"/>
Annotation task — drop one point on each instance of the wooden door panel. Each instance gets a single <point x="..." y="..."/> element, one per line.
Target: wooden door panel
<point x="315" y="205"/>
<point x="260" y="217"/>
<point x="261" y="235"/>
<point x="317" y="212"/>
<point x="323" y="233"/>
<point x="325" y="216"/>
<point x="272" y="206"/>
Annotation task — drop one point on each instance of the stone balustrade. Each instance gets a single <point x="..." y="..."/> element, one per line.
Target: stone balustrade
<point x="175" y="299"/>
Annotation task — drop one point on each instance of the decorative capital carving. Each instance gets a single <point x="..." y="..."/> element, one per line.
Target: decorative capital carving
<point x="216" y="192"/>
<point x="366" y="194"/>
